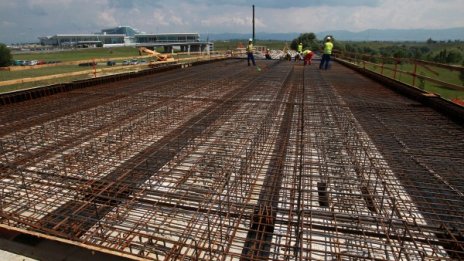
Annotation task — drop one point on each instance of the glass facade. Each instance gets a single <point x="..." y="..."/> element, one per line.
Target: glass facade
<point x="121" y="35"/>
<point x="167" y="38"/>
<point x="126" y="30"/>
<point x="70" y="40"/>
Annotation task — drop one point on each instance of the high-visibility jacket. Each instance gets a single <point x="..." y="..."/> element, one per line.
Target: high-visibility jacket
<point x="249" y="48"/>
<point x="300" y="48"/>
<point x="306" y="52"/>
<point x="328" y="46"/>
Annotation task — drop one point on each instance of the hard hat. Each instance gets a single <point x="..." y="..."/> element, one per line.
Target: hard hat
<point x="250" y="40"/>
<point x="328" y="38"/>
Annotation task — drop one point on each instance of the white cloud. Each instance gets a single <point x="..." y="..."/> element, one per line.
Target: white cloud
<point x="107" y="19"/>
<point x="177" y="20"/>
<point x="389" y="14"/>
<point x="47" y="17"/>
<point x="289" y="4"/>
<point x="412" y="14"/>
<point x="229" y="22"/>
<point x="159" y="18"/>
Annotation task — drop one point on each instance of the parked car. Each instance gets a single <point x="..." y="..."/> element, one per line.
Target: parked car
<point x="111" y="63"/>
<point x="134" y="62"/>
<point x="18" y="62"/>
<point x="31" y="62"/>
<point x="126" y="62"/>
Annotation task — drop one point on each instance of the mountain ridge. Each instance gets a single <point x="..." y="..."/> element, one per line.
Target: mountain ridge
<point x="456" y="33"/>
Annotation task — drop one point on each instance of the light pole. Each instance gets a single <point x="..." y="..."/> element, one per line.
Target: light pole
<point x="253" y="23"/>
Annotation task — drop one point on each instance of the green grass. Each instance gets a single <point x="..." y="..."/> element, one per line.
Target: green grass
<point x="443" y="75"/>
<point x="6" y="75"/>
<point x="117" y="54"/>
<point x="79" y="54"/>
<point x="22" y="86"/>
<point x="63" y="56"/>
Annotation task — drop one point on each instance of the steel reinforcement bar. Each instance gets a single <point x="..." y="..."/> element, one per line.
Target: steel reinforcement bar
<point x="219" y="162"/>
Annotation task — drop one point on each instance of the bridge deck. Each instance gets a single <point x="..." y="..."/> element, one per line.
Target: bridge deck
<point x="224" y="162"/>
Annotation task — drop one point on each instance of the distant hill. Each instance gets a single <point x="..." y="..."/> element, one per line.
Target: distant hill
<point x="420" y="35"/>
<point x="260" y="36"/>
<point x="397" y="34"/>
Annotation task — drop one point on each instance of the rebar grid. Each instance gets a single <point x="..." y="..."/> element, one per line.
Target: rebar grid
<point x="219" y="162"/>
<point x="423" y="148"/>
<point x="342" y="185"/>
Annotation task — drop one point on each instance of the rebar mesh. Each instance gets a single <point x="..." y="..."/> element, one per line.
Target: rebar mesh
<point x="222" y="162"/>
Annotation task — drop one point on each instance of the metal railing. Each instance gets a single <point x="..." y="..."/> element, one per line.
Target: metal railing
<point x="444" y="80"/>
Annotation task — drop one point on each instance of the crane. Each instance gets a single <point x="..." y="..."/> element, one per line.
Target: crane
<point x="157" y="55"/>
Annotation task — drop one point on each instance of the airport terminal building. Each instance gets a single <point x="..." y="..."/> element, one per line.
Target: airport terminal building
<point x="128" y="36"/>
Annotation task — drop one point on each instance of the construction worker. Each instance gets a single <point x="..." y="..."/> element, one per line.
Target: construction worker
<point x="268" y="55"/>
<point x="328" y="46"/>
<point x="288" y="56"/>
<point x="300" y="47"/>
<point x="307" y="56"/>
<point x="299" y="50"/>
<point x="249" y="50"/>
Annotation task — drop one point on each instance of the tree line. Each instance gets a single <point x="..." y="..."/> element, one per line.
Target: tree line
<point x="449" y="55"/>
<point x="451" y="52"/>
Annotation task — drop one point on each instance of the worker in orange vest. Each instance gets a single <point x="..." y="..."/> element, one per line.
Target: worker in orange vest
<point x="307" y="56"/>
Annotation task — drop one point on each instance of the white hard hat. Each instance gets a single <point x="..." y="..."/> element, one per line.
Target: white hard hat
<point x="328" y="38"/>
<point x="250" y="40"/>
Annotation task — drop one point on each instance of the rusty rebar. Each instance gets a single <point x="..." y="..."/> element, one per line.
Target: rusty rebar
<point x="222" y="162"/>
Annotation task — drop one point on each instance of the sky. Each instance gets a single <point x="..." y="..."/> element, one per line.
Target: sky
<point x="26" y="20"/>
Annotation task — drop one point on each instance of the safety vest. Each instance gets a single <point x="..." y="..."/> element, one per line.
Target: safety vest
<point x="328" y="46"/>
<point x="249" y="48"/>
<point x="306" y="52"/>
<point x="300" y="48"/>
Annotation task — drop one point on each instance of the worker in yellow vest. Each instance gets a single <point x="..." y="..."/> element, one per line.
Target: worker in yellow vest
<point x="249" y="51"/>
<point x="299" y="49"/>
<point x="328" y="46"/>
